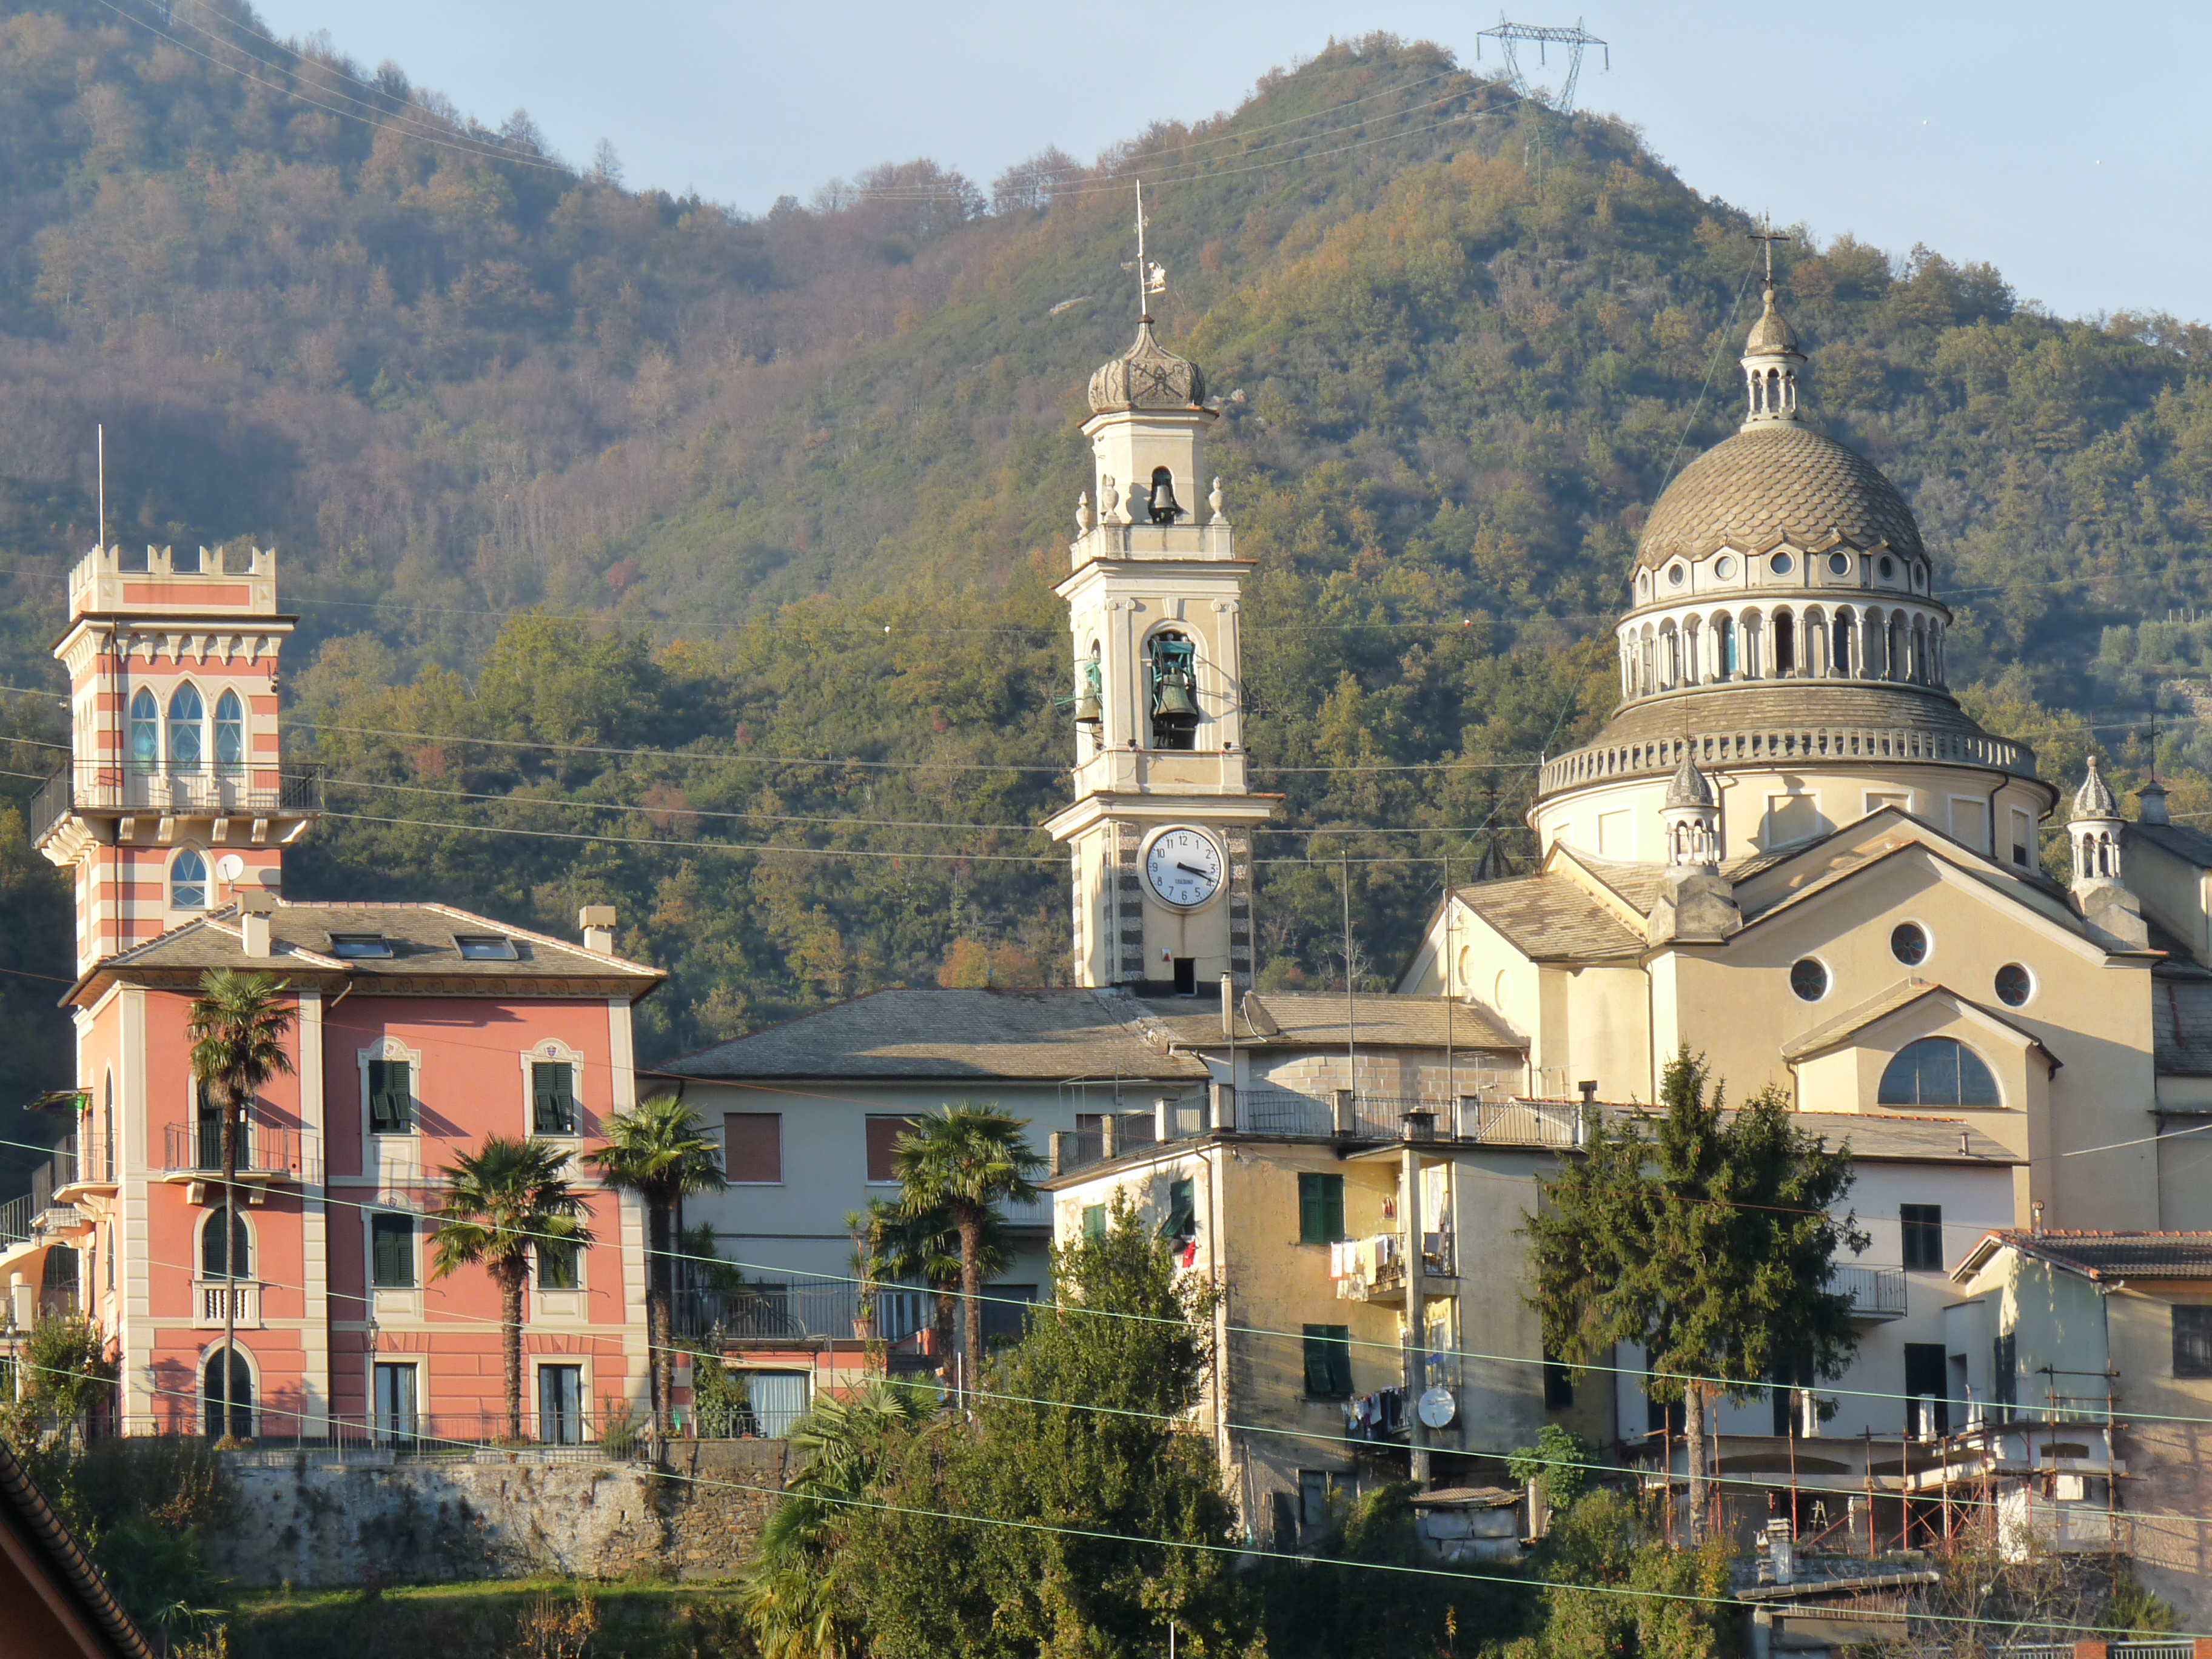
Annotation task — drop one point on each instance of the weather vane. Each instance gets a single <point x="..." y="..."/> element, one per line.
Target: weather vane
<point x="1150" y="279"/>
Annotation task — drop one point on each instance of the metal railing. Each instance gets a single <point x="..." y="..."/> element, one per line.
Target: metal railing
<point x="1280" y="1112"/>
<point x="1875" y="1293"/>
<point x="799" y="1313"/>
<point x="249" y="789"/>
<point x="196" y="1149"/>
<point x="15" y="1217"/>
<point x="585" y="1436"/>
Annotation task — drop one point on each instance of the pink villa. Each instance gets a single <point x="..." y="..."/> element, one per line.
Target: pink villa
<point x="418" y="1030"/>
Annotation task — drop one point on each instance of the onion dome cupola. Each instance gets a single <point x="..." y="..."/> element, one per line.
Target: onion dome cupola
<point x="1147" y="376"/>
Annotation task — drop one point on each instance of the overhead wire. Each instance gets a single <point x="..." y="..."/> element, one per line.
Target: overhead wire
<point x="1306" y="1563"/>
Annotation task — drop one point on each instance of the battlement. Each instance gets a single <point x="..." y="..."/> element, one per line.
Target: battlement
<point x="162" y="581"/>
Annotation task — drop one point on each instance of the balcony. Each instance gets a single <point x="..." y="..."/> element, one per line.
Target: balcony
<point x="210" y="1296"/>
<point x="1876" y="1293"/>
<point x="193" y="1151"/>
<point x="113" y="789"/>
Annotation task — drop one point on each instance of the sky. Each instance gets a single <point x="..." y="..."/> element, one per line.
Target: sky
<point x="2061" y="146"/>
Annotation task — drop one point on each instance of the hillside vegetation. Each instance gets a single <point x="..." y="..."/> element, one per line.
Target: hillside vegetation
<point x="588" y="471"/>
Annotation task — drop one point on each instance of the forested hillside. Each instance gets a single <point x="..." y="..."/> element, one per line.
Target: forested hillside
<point x="715" y="552"/>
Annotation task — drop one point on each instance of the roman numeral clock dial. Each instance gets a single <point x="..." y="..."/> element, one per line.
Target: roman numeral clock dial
<point x="1183" y="867"/>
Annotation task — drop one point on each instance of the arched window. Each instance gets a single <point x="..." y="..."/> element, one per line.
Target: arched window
<point x="145" y="731"/>
<point x="1724" y="637"/>
<point x="1896" y="666"/>
<point x="1839" y="654"/>
<point x="238" y="1396"/>
<point x="185" y="713"/>
<point x="229" y="733"/>
<point x="1937" y="1071"/>
<point x="1785" y="645"/>
<point x="212" y="1265"/>
<point x="188" y="881"/>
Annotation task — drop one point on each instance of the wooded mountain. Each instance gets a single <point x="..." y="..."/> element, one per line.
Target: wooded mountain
<point x="559" y="471"/>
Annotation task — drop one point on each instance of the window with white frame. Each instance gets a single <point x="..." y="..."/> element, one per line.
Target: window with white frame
<point x="188" y="881"/>
<point x="390" y="1088"/>
<point x="186" y="733"/>
<point x="552" y="1078"/>
<point x="229" y="733"/>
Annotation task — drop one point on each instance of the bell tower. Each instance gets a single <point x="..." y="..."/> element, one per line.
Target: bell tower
<point x="1161" y="825"/>
<point x="174" y="799"/>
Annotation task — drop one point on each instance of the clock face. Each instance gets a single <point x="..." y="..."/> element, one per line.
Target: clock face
<point x="1184" y="867"/>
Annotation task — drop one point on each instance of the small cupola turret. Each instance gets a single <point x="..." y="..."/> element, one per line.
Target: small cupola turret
<point x="2100" y="892"/>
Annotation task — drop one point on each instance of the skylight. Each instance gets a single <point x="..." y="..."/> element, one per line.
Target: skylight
<point x="485" y="947"/>
<point x="360" y="945"/>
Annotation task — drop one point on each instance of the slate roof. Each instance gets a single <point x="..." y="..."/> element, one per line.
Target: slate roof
<point x="1903" y="994"/>
<point x="1777" y="481"/>
<point x="1048" y="1034"/>
<point x="1781" y="706"/>
<point x="2181" y="1027"/>
<point x="1887" y="1136"/>
<point x="1317" y="1019"/>
<point x="1551" y="918"/>
<point x="2178" y="839"/>
<point x="54" y="1554"/>
<point x="2105" y="1255"/>
<point x="1062" y="1032"/>
<point x="423" y="941"/>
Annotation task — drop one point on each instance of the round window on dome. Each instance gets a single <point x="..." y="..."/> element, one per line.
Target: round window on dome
<point x="1839" y="564"/>
<point x="1779" y="564"/>
<point x="1724" y="567"/>
<point x="1888" y="567"/>
<point x="1808" y="979"/>
<point x="1675" y="575"/>
<point x="2014" y="985"/>
<point x="1908" y="943"/>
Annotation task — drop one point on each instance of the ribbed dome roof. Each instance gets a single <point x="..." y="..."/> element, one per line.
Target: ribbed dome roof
<point x="1689" y="787"/>
<point x="1772" y="335"/>
<point x="1147" y="376"/>
<point x="2094" y="799"/>
<point x="1771" y="482"/>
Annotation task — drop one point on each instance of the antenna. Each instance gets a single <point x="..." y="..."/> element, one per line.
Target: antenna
<point x="102" y="439"/>
<point x="1511" y="36"/>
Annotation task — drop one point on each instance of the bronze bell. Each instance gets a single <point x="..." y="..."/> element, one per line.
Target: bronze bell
<point x="1175" y="699"/>
<point x="1088" y="711"/>
<point x="1164" y="508"/>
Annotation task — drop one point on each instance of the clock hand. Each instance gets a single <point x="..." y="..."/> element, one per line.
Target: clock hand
<point x="1189" y="871"/>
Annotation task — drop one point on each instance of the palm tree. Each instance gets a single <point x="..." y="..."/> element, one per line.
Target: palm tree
<point x="791" y="1595"/>
<point x="961" y="1162"/>
<point x="504" y="1199"/>
<point x="660" y="1151"/>
<point x="925" y="1244"/>
<point x="237" y="1028"/>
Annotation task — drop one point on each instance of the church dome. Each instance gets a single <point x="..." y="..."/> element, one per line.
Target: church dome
<point x="1147" y="376"/>
<point x="1771" y="483"/>
<point x="1772" y="335"/>
<point x="1689" y="787"/>
<point x="2094" y="800"/>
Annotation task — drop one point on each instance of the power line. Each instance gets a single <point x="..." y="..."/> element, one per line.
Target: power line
<point x="1099" y="1535"/>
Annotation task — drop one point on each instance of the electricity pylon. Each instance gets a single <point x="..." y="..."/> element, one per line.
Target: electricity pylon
<point x="1510" y="37"/>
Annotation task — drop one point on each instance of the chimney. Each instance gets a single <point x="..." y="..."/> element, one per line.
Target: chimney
<point x="254" y="910"/>
<point x="598" y="921"/>
<point x="1588" y="1088"/>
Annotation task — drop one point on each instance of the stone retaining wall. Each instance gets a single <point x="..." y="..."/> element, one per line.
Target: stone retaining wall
<point x="435" y="1520"/>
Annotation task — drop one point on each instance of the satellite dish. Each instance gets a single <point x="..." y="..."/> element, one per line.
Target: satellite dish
<point x="1257" y="1017"/>
<point x="1437" y="1407"/>
<point x="229" y="867"/>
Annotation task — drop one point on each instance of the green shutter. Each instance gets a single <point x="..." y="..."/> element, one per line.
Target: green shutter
<point x="553" y="1097"/>
<point x="392" y="1255"/>
<point x="390" y="1097"/>
<point x="1321" y="1209"/>
<point x="1182" y="1210"/>
<point x="1328" y="1362"/>
<point x="1094" y="1221"/>
<point x="556" y="1266"/>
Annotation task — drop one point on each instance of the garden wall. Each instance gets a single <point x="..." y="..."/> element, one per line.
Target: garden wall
<point x="435" y="1520"/>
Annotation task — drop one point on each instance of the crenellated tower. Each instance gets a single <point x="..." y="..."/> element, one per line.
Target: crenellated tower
<point x="175" y="797"/>
<point x="1160" y="828"/>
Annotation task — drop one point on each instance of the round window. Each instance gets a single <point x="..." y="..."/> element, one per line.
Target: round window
<point x="1839" y="564"/>
<point x="1809" y="979"/>
<point x="1780" y="564"/>
<point x="2014" y="985"/>
<point x="1674" y="575"/>
<point x="1908" y="943"/>
<point x="1888" y="566"/>
<point x="1724" y="567"/>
